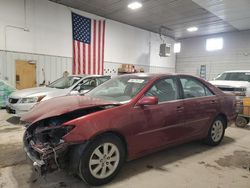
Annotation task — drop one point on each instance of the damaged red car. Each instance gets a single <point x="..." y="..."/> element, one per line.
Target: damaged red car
<point x="123" y="119"/>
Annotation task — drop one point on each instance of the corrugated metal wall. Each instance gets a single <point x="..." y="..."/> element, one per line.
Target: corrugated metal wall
<point x="53" y="66"/>
<point x="235" y="55"/>
<point x="214" y="64"/>
<point x="111" y="68"/>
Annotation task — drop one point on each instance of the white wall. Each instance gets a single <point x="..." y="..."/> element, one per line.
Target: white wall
<point x="235" y="54"/>
<point x="48" y="23"/>
<point x="50" y="34"/>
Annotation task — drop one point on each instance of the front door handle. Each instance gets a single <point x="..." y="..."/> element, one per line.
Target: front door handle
<point x="213" y="102"/>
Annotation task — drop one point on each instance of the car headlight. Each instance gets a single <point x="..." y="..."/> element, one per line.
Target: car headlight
<point x="32" y="99"/>
<point x="29" y="100"/>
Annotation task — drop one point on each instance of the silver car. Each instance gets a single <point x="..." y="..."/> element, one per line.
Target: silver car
<point x="23" y="100"/>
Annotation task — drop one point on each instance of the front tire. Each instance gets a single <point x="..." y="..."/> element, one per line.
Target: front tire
<point x="102" y="160"/>
<point x="216" y="132"/>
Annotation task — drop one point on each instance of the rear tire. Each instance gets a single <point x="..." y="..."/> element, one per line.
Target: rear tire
<point x="102" y="160"/>
<point x="241" y="121"/>
<point x="216" y="132"/>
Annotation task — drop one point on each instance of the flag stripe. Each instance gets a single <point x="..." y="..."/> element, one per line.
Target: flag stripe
<point x="83" y="58"/>
<point x="94" y="55"/>
<point x="88" y="45"/>
<point x="99" y="46"/>
<point x="103" y="40"/>
<point x="76" y="57"/>
<point x="89" y="58"/>
<point x="101" y="30"/>
<point x="79" y="57"/>
<point x="92" y="48"/>
<point x="74" y="60"/>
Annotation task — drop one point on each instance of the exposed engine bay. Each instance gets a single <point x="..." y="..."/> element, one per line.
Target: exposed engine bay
<point x="44" y="143"/>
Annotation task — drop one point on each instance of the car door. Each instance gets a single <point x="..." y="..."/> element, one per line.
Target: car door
<point x="200" y="105"/>
<point x="159" y="124"/>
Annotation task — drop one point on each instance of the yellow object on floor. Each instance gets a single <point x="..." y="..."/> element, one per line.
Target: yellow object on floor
<point x="246" y="106"/>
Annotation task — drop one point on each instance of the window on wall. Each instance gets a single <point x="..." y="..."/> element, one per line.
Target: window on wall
<point x="213" y="44"/>
<point x="177" y="47"/>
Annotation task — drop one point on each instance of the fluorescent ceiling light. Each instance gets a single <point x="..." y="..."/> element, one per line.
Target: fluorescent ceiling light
<point x="134" y="5"/>
<point x="192" y="29"/>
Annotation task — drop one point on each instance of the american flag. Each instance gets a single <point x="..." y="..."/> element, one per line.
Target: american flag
<point x="88" y="45"/>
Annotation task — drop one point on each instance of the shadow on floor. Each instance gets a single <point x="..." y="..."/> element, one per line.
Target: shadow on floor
<point x="155" y="161"/>
<point x="14" y="120"/>
<point x="247" y="127"/>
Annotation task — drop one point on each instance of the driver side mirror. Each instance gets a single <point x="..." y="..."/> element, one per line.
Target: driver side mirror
<point x="147" y="100"/>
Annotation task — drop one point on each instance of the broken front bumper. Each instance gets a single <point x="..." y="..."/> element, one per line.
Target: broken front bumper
<point x="38" y="165"/>
<point x="44" y="159"/>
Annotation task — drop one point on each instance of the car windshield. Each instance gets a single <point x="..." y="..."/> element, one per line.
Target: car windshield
<point x="65" y="82"/>
<point x="120" y="89"/>
<point x="235" y="76"/>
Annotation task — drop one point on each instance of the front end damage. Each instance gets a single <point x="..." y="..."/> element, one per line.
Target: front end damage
<point x="44" y="141"/>
<point x="44" y="145"/>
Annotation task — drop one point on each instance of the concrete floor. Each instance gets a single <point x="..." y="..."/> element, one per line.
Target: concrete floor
<point x="190" y="165"/>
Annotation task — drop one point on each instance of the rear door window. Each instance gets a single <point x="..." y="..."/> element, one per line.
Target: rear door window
<point x="193" y="88"/>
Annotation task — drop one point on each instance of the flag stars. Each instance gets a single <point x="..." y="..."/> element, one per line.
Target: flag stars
<point x="81" y="28"/>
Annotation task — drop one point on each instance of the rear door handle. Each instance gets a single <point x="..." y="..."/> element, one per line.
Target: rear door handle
<point x="180" y="108"/>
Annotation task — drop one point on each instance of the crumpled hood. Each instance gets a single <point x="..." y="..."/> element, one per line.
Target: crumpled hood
<point x="32" y="92"/>
<point x="60" y="105"/>
<point x="230" y="84"/>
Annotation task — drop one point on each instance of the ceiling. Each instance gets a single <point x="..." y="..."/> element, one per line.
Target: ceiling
<point x="210" y="16"/>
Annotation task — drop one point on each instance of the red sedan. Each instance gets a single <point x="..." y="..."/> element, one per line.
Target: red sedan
<point x="123" y="119"/>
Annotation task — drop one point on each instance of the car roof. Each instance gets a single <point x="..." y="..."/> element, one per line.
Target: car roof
<point x="237" y="71"/>
<point x="156" y="75"/>
<point x="86" y="75"/>
<point x="141" y="75"/>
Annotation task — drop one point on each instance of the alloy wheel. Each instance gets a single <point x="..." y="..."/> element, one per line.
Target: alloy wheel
<point x="217" y="130"/>
<point x="104" y="160"/>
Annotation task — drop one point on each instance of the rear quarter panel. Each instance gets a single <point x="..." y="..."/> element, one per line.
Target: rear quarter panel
<point x="227" y="102"/>
<point x="228" y="106"/>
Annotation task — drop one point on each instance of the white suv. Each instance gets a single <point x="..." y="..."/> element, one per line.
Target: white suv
<point x="237" y="82"/>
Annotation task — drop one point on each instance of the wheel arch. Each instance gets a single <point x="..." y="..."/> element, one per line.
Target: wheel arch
<point x="224" y="117"/>
<point x="119" y="135"/>
<point x="77" y="149"/>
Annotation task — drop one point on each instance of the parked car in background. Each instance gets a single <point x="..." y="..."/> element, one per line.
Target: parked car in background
<point x="123" y="119"/>
<point x="23" y="100"/>
<point x="5" y="91"/>
<point x="237" y="82"/>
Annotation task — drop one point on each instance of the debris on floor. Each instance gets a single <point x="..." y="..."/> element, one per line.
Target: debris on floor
<point x="225" y="166"/>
